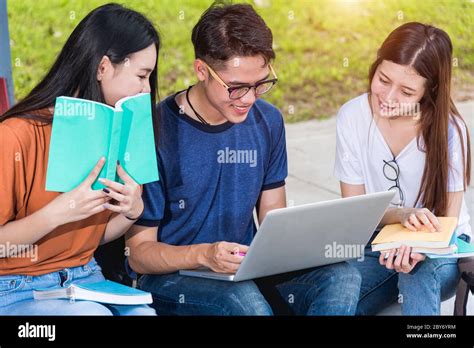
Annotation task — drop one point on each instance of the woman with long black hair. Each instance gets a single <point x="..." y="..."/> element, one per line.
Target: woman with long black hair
<point x="50" y="238"/>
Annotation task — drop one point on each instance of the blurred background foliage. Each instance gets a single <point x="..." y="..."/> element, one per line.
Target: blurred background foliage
<point x="324" y="47"/>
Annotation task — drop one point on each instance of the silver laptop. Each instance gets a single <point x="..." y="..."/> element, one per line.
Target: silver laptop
<point x="307" y="236"/>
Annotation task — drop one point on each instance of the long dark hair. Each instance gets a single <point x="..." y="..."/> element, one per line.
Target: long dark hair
<point x="110" y="30"/>
<point x="429" y="51"/>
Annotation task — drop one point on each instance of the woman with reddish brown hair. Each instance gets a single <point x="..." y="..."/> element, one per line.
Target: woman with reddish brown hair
<point x="406" y="135"/>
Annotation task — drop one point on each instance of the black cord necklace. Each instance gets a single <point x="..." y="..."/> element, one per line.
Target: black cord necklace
<point x="191" y="105"/>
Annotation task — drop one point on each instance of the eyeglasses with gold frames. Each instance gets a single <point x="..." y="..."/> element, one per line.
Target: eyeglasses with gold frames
<point x="238" y="92"/>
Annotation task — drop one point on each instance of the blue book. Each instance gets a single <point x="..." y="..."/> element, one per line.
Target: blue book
<point x="104" y="292"/>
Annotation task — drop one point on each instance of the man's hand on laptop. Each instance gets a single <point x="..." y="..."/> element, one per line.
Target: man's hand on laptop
<point x="224" y="257"/>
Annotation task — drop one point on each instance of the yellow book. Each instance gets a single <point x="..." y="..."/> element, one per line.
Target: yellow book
<point x="396" y="235"/>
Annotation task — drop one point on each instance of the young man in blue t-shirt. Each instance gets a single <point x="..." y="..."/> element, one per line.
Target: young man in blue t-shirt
<point x="222" y="153"/>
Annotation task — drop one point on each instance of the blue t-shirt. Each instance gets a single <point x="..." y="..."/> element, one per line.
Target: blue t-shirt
<point x="212" y="176"/>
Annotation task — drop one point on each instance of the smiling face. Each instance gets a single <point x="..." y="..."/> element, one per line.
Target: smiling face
<point x="396" y="90"/>
<point x="236" y="72"/>
<point x="128" y="78"/>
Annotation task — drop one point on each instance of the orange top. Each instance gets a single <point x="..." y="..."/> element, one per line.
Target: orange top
<point x="24" y="149"/>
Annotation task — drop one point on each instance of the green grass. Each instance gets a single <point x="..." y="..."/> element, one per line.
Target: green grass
<point x="313" y="39"/>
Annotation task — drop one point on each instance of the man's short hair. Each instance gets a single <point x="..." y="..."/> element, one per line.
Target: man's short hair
<point x="228" y="30"/>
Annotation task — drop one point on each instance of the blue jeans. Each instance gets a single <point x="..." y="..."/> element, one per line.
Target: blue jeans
<point x="420" y="292"/>
<point x="328" y="290"/>
<point x="16" y="294"/>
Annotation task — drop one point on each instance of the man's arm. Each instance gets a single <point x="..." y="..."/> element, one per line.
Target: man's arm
<point x="148" y="256"/>
<point x="269" y="200"/>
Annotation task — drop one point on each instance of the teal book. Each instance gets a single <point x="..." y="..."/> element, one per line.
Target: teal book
<point x="451" y="249"/>
<point x="103" y="292"/>
<point x="463" y="249"/>
<point x="84" y="131"/>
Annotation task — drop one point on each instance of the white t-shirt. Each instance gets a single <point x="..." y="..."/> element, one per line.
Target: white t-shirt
<point x="361" y="150"/>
